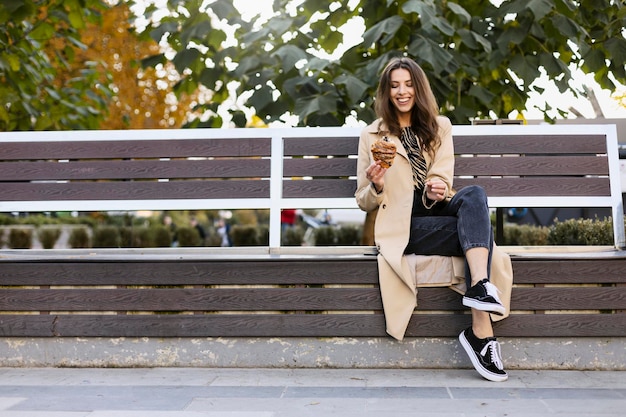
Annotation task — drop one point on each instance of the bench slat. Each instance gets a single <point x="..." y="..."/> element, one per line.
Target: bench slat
<point x="321" y="146"/>
<point x="285" y="272"/>
<point x="533" y="166"/>
<point x="319" y="167"/>
<point x="570" y="271"/>
<point x="174" y="148"/>
<point x="135" y="190"/>
<point x="301" y="325"/>
<point x="291" y="299"/>
<point x="83" y="272"/>
<point x="585" y="298"/>
<point x="530" y="144"/>
<point x="144" y="169"/>
<point x="319" y="188"/>
<point x="223" y="299"/>
<point x="562" y="325"/>
<point x="207" y="299"/>
<point x="535" y="187"/>
<point x="315" y="188"/>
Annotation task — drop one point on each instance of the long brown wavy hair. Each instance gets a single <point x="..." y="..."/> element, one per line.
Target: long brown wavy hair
<point x="424" y="114"/>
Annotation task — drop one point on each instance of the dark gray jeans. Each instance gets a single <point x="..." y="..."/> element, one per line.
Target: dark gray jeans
<point x="451" y="228"/>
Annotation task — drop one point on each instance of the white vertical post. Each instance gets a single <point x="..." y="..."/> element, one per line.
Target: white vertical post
<point x="276" y="189"/>
<point x="616" y="188"/>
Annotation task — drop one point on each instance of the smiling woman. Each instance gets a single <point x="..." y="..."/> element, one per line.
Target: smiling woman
<point x="418" y="213"/>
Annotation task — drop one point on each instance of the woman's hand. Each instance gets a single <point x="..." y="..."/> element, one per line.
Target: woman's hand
<point x="436" y="189"/>
<point x="376" y="175"/>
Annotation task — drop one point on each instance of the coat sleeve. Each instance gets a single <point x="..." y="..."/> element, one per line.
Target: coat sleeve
<point x="366" y="197"/>
<point x="442" y="163"/>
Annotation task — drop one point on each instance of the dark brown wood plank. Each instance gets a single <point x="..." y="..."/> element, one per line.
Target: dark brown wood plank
<point x="524" y="325"/>
<point x="217" y="325"/>
<point x="441" y="299"/>
<point x="191" y="299"/>
<point x="168" y="148"/>
<point x="321" y="146"/>
<point x="569" y="271"/>
<point x="533" y="166"/>
<point x="537" y="187"/>
<point x="319" y="188"/>
<point x="214" y="299"/>
<point x="319" y="167"/>
<point x="265" y="299"/>
<point x="136" y="190"/>
<point x="133" y="169"/>
<point x="562" y="325"/>
<point x="530" y="144"/>
<point x="576" y="298"/>
<point x="85" y="272"/>
<point x="302" y="325"/>
<point x="211" y="325"/>
<point x="360" y="270"/>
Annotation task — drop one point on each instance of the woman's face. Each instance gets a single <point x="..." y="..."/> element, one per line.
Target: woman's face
<point x="402" y="91"/>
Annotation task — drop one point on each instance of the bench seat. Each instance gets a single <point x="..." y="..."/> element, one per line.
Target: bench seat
<point x="153" y="293"/>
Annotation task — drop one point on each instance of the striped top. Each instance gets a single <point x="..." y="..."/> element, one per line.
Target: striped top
<point x="416" y="159"/>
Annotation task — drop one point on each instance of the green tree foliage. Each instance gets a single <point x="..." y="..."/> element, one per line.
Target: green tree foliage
<point x="30" y="97"/>
<point x="482" y="59"/>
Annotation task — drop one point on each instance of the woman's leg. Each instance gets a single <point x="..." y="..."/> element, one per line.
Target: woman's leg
<point x="470" y="207"/>
<point x="463" y="227"/>
<point x="476" y="237"/>
<point x="478" y="259"/>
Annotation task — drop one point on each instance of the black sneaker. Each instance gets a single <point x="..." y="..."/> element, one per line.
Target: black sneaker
<point x="484" y="296"/>
<point x="485" y="355"/>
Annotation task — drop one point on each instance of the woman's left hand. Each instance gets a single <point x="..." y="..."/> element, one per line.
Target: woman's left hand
<point x="436" y="189"/>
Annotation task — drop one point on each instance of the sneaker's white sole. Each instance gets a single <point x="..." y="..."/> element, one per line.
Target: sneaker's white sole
<point x="488" y="307"/>
<point x="482" y="371"/>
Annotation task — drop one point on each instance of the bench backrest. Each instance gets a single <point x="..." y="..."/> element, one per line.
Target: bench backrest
<point x="187" y="169"/>
<point x="543" y="166"/>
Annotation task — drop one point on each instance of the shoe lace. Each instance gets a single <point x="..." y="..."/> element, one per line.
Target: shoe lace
<point x="495" y="355"/>
<point x="493" y="291"/>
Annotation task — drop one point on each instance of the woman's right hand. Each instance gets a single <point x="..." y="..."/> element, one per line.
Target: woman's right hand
<point x="376" y="175"/>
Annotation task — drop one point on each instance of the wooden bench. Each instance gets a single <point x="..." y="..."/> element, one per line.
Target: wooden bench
<point x="280" y="292"/>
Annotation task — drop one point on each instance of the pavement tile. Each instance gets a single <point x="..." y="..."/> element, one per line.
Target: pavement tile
<point x="377" y="392"/>
<point x="8" y="402"/>
<point x="45" y="414"/>
<point x="181" y="414"/>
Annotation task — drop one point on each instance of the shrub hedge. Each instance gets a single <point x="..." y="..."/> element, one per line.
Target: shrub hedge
<point x="121" y="234"/>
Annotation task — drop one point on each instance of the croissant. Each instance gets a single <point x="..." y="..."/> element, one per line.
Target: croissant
<point x="384" y="150"/>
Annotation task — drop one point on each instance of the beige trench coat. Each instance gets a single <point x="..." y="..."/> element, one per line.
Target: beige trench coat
<point x="397" y="272"/>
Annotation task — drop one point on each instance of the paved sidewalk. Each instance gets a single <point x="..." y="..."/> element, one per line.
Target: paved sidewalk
<point x="210" y="392"/>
